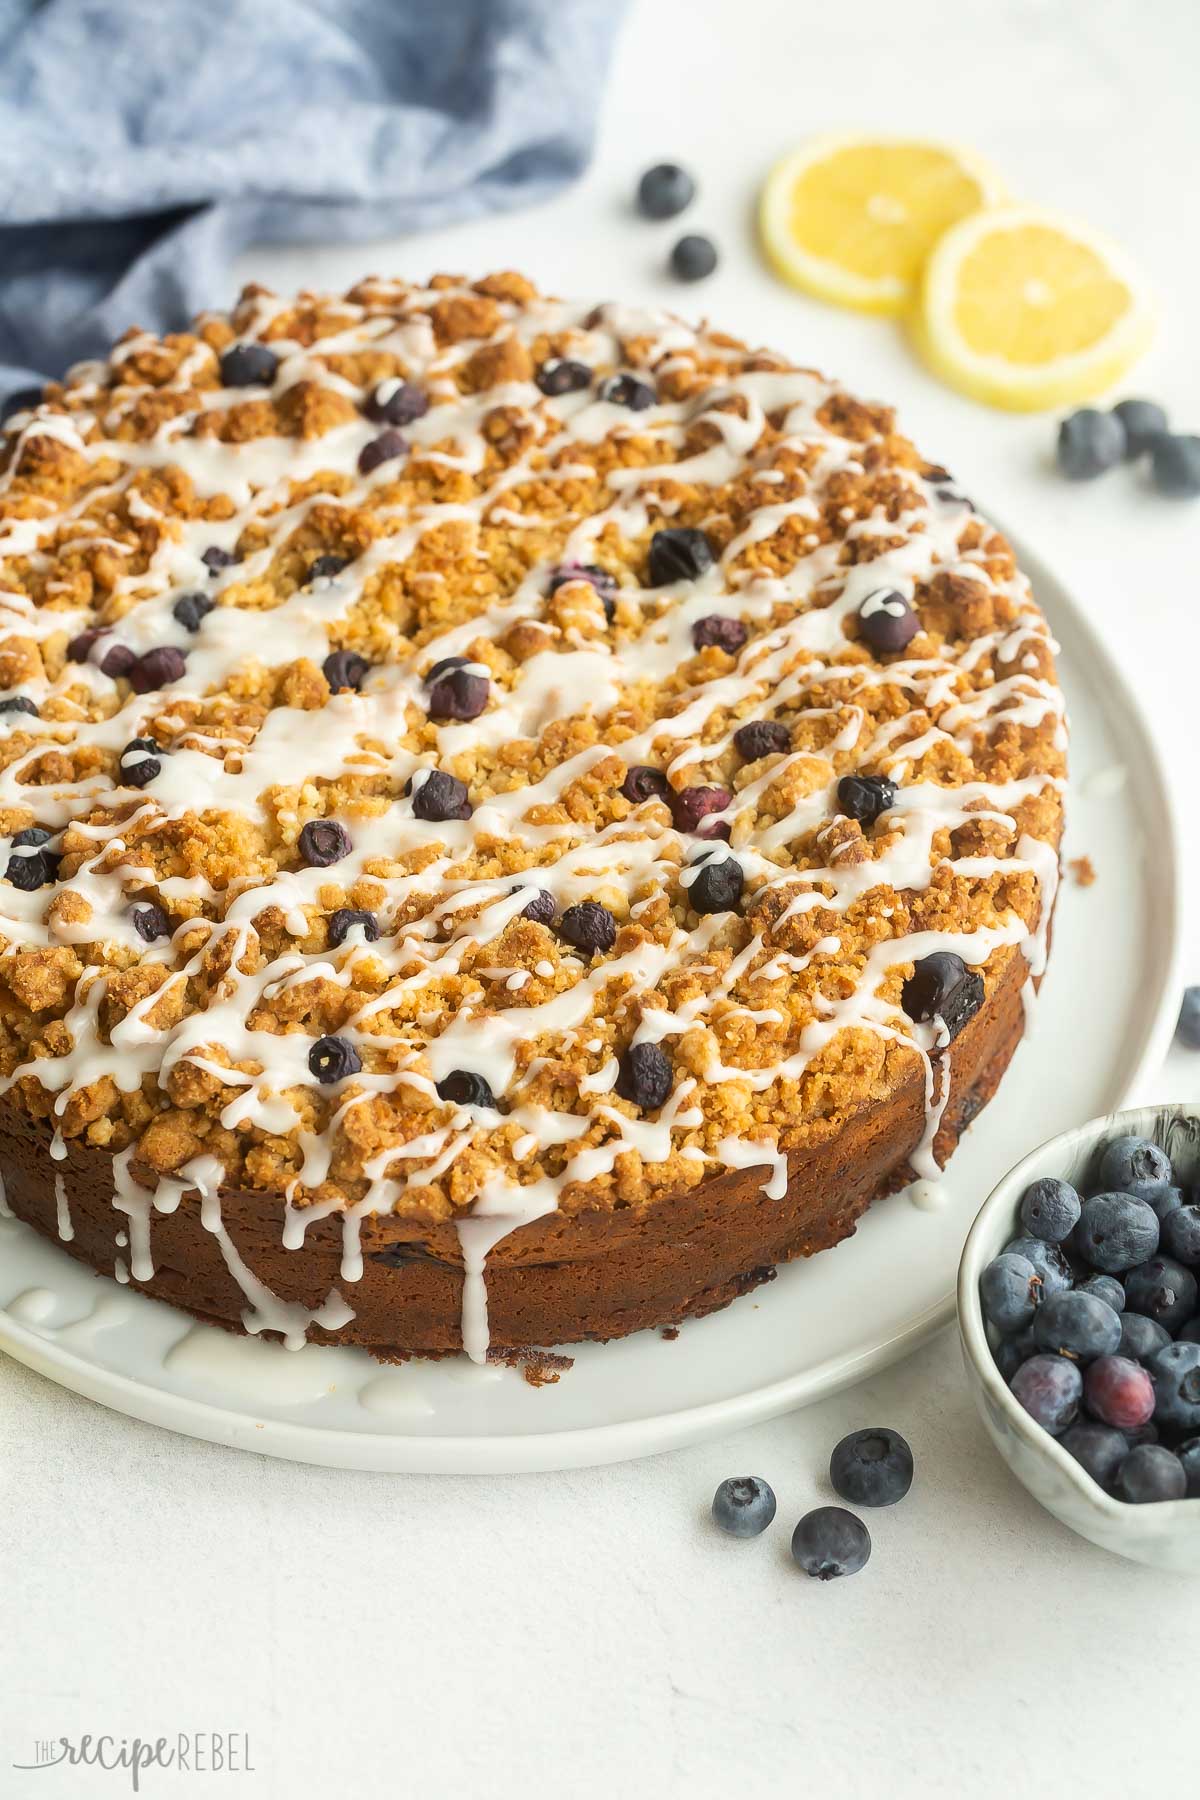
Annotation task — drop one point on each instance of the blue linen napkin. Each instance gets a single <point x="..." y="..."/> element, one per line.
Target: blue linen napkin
<point x="144" y="142"/>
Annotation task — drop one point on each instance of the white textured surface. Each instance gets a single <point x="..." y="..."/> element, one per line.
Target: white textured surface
<point x="586" y="1633"/>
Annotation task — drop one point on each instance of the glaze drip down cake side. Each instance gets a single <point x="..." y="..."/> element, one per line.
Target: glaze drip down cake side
<point x="520" y="817"/>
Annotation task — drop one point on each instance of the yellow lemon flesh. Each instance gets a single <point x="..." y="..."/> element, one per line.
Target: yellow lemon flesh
<point x="1025" y="310"/>
<point x="853" y="219"/>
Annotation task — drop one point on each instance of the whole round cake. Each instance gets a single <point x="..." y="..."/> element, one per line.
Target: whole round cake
<point x="520" y="817"/>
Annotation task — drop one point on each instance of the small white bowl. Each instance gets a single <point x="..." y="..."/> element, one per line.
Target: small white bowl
<point x="1165" y="1534"/>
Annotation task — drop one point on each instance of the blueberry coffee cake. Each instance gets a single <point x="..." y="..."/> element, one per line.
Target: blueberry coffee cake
<point x="520" y="817"/>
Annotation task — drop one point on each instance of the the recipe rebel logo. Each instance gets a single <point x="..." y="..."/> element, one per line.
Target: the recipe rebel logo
<point x="187" y="1752"/>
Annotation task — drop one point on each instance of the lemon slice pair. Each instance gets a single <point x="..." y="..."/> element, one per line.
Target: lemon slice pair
<point x="1012" y="305"/>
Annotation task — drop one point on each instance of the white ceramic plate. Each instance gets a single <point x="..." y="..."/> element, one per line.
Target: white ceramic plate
<point x="1104" y="1020"/>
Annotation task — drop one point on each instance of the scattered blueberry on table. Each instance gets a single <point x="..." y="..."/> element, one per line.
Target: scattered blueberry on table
<point x="1093" y="1315"/>
<point x="1090" y="442"/>
<point x="743" y="1506"/>
<point x="872" y="1467"/>
<point x="829" y="1541"/>
<point x="664" y="191"/>
<point x="693" y="258"/>
<point x="1176" y="465"/>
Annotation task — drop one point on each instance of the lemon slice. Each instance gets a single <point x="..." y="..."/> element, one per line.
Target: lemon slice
<point x="853" y="219"/>
<point x="1024" y="309"/>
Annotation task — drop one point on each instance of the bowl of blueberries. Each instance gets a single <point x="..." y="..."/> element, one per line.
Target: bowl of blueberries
<point x="1079" y="1312"/>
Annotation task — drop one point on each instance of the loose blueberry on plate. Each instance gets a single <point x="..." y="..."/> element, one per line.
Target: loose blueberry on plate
<point x="1141" y="1337"/>
<point x="829" y="1542"/>
<point x="463" y="1087"/>
<point x="1176" y="463"/>
<point x="744" y="1506"/>
<point x="1049" y="1388"/>
<point x="1188" y="1028"/>
<point x="1050" y="1209"/>
<point x="1077" y="1325"/>
<point x="1143" y="421"/>
<point x="333" y="1059"/>
<point x="1100" y="1449"/>
<point x="1149" y="1474"/>
<point x="645" y="1076"/>
<point x="1190" y="1333"/>
<point x="1128" y="1159"/>
<point x="1010" y="1292"/>
<point x="1048" y="1260"/>
<point x="942" y="987"/>
<point x="1176" y="1376"/>
<point x="865" y="797"/>
<point x="693" y="258"/>
<point x="678" y="553"/>
<point x="1162" y="1289"/>
<point x="1106" y="1288"/>
<point x="19" y="703"/>
<point x="1115" y="1233"/>
<point x="1119" y="1392"/>
<point x="664" y="191"/>
<point x="872" y="1467"/>
<point x="1089" y="442"/>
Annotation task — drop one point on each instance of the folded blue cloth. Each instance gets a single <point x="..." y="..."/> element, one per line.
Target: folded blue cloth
<point x="144" y="142"/>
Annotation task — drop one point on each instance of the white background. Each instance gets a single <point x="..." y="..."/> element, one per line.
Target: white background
<point x="589" y="1634"/>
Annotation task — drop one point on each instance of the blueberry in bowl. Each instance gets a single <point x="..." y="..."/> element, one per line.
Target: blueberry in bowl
<point x="1081" y="1331"/>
